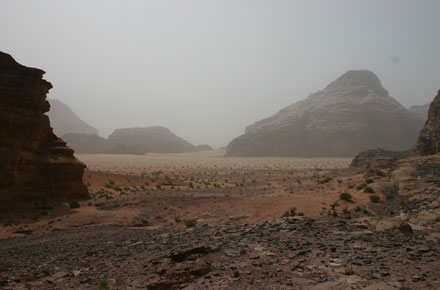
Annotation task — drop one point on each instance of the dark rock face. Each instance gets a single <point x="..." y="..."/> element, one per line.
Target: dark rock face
<point x="33" y="161"/>
<point x="63" y="120"/>
<point x="154" y="139"/>
<point x="429" y="139"/>
<point x="352" y="114"/>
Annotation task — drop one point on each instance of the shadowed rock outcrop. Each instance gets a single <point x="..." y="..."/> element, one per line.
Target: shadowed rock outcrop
<point x="379" y="158"/>
<point x="429" y="139"/>
<point x="33" y="161"/>
<point x="352" y="114"/>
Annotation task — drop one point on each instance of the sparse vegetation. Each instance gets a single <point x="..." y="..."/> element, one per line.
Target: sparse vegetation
<point x="345" y="196"/>
<point x="103" y="286"/>
<point x="190" y="223"/>
<point x="369" y="181"/>
<point x="368" y="189"/>
<point x="74" y="204"/>
<point x="374" y="198"/>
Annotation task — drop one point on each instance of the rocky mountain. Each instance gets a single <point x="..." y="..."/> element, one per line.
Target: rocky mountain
<point x="34" y="162"/>
<point x="154" y="139"/>
<point x="352" y="114"/>
<point x="421" y="111"/>
<point x="429" y="139"/>
<point x="63" y="120"/>
<point x="135" y="141"/>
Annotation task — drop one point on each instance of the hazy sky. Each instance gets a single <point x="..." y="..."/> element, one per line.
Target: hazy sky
<point x="206" y="69"/>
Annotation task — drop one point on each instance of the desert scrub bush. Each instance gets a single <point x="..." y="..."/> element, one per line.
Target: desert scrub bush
<point x="369" y="181"/>
<point x="345" y="196"/>
<point x="291" y="212"/>
<point x="190" y="223"/>
<point x="374" y="198"/>
<point x="361" y="186"/>
<point x="389" y="196"/>
<point x="325" y="180"/>
<point x="74" y="204"/>
<point x="368" y="189"/>
<point x="103" y="286"/>
<point x="367" y="238"/>
<point x="380" y="173"/>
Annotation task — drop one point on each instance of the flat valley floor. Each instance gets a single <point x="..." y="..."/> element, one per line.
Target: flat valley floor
<point x="200" y="221"/>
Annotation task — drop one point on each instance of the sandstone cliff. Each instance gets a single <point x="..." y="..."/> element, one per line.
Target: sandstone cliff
<point x="63" y="120"/>
<point x="352" y="114"/>
<point x="33" y="161"/>
<point x="429" y="139"/>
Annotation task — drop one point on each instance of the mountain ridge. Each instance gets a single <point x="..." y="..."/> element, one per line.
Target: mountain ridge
<point x="343" y="119"/>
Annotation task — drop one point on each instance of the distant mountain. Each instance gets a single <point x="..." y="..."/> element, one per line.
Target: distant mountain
<point x="136" y="141"/>
<point x="63" y="120"/>
<point x="421" y="111"/>
<point x="154" y="139"/>
<point x="86" y="143"/>
<point x="352" y="114"/>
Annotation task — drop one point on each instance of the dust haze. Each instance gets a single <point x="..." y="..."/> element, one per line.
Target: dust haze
<point x="207" y="69"/>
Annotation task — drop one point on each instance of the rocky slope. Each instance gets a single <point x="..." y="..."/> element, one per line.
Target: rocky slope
<point x="154" y="139"/>
<point x="33" y="161"/>
<point x="333" y="253"/>
<point x="63" y="120"/>
<point x="352" y="114"/>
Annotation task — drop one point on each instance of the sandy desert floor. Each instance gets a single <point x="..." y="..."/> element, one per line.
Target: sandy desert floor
<point x="207" y="222"/>
<point x="179" y="190"/>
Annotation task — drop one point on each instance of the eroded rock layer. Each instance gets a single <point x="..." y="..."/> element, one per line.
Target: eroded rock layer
<point x="33" y="161"/>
